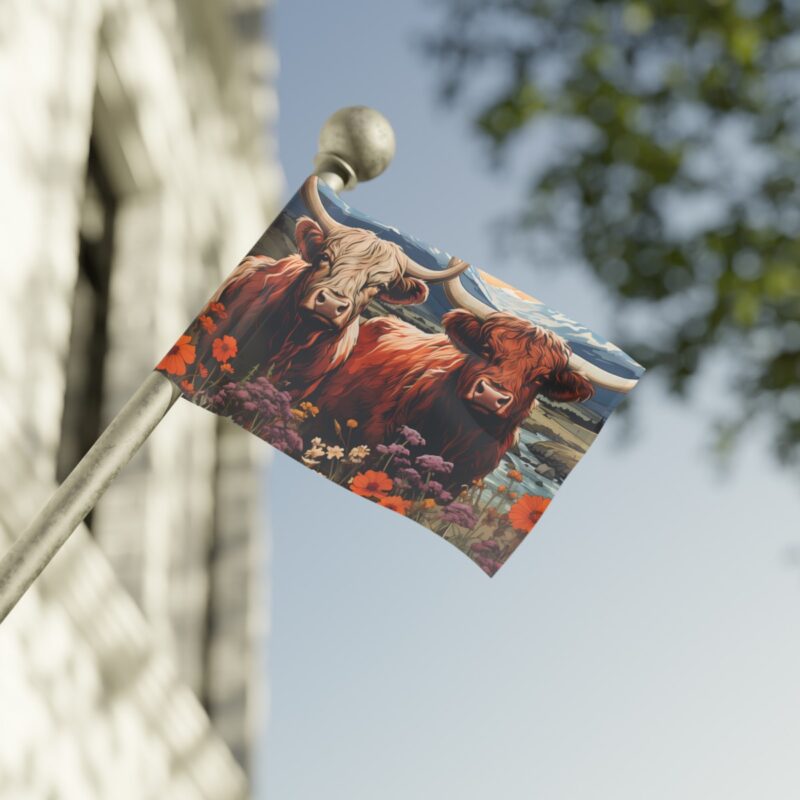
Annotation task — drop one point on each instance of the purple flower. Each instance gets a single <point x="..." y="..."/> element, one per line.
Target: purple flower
<point x="412" y="437"/>
<point x="489" y="547"/>
<point x="402" y="462"/>
<point x="437" y="490"/>
<point x="393" y="449"/>
<point x="259" y="401"/>
<point x="488" y="565"/>
<point x="411" y="475"/>
<point x="290" y="442"/>
<point x="460" y="514"/>
<point x="435" y="463"/>
<point x="281" y="437"/>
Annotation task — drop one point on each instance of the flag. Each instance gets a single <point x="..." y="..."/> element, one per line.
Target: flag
<point x="409" y="377"/>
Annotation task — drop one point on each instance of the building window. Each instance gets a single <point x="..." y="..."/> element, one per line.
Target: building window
<point x="81" y="419"/>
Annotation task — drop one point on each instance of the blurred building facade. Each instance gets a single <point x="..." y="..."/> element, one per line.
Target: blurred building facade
<point x="136" y="168"/>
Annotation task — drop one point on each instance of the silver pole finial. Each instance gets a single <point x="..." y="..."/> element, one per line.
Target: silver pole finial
<point x="356" y="144"/>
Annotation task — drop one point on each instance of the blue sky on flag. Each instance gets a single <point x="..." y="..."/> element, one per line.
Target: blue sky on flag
<point x="643" y="642"/>
<point x="483" y="285"/>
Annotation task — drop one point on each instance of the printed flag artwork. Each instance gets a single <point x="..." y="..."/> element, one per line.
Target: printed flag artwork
<point x="407" y="376"/>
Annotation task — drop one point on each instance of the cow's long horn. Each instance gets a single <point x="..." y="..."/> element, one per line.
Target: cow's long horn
<point x="599" y="377"/>
<point x="459" y="297"/>
<point x="454" y="267"/>
<point x="310" y="194"/>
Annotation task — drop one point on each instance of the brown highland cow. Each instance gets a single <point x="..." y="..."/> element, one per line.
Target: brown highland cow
<point x="299" y="315"/>
<point x="466" y="391"/>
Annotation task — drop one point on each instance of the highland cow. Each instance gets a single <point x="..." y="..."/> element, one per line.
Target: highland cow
<point x="467" y="391"/>
<point x="298" y="316"/>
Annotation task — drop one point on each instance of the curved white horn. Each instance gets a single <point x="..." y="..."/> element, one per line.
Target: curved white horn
<point x="599" y="377"/>
<point x="454" y="267"/>
<point x="310" y="194"/>
<point x="459" y="297"/>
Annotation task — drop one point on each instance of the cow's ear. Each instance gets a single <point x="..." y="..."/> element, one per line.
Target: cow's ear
<point x="566" y="386"/>
<point x="309" y="238"/>
<point x="464" y="330"/>
<point x="404" y="292"/>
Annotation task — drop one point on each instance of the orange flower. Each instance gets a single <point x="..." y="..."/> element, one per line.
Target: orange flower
<point x="224" y="348"/>
<point x="180" y="354"/>
<point x="525" y="513"/>
<point x="371" y="484"/>
<point x="187" y="386"/>
<point x="208" y="324"/>
<point x="502" y="488"/>
<point x="513" y="495"/>
<point x="226" y="368"/>
<point x="218" y="309"/>
<point x="429" y="502"/>
<point x="309" y="408"/>
<point x="514" y="475"/>
<point x="202" y="371"/>
<point x="351" y="423"/>
<point x="395" y="503"/>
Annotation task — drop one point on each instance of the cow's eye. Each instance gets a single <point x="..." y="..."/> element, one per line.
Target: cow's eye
<point x="323" y="260"/>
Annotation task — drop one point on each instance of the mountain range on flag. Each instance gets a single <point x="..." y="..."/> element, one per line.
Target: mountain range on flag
<point x="405" y="375"/>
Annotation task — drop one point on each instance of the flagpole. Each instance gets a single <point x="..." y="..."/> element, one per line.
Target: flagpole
<point x="356" y="144"/>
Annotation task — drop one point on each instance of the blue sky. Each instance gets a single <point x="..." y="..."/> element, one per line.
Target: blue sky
<point x="642" y="643"/>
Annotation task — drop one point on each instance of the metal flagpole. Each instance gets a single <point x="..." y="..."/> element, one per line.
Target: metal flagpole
<point x="356" y="144"/>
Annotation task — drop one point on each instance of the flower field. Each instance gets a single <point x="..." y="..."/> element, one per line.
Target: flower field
<point x="486" y="520"/>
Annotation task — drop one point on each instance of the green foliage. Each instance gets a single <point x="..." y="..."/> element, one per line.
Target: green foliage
<point x="672" y="169"/>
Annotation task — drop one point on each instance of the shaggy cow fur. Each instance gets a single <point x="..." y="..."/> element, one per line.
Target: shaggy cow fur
<point x="397" y="375"/>
<point x="264" y="303"/>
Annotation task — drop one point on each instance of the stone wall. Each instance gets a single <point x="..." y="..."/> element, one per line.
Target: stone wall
<point x="92" y="706"/>
<point x="112" y="665"/>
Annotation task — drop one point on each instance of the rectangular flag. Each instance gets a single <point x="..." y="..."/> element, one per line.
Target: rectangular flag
<point x="403" y="374"/>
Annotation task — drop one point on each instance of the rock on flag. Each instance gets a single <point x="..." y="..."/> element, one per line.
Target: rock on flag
<point x="408" y="377"/>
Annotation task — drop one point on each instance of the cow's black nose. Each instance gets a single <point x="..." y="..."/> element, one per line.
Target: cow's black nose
<point x="330" y="305"/>
<point x="486" y="395"/>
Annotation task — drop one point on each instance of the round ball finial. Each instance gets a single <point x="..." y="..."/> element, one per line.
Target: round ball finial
<point x="357" y="140"/>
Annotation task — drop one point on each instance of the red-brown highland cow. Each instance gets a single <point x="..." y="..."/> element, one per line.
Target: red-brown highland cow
<point x="466" y="391"/>
<point x="299" y="315"/>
